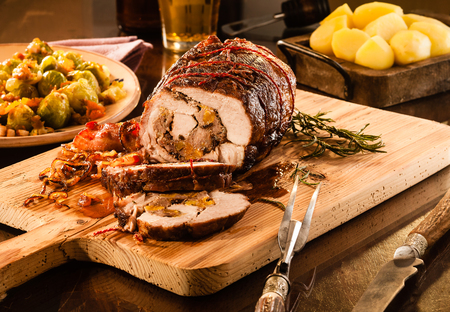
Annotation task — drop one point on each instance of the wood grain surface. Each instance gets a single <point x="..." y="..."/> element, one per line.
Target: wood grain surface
<point x="415" y="149"/>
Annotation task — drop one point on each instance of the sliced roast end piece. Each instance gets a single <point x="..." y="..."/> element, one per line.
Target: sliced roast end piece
<point x="183" y="216"/>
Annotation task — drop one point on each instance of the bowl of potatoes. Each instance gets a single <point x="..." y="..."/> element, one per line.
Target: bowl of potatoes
<point x="375" y="55"/>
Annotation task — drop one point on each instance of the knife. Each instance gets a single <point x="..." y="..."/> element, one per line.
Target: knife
<point x="392" y="276"/>
<point x="292" y="236"/>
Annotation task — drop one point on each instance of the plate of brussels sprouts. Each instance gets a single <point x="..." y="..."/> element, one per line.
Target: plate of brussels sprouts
<point x="48" y="93"/>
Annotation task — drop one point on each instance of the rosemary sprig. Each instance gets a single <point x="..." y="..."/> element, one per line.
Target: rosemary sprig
<point x="347" y="143"/>
<point x="304" y="175"/>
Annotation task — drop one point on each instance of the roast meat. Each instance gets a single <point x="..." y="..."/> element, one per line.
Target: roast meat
<point x="191" y="176"/>
<point x="229" y="102"/>
<point x="179" y="216"/>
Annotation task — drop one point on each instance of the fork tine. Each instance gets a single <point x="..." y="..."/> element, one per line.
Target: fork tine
<point x="306" y="224"/>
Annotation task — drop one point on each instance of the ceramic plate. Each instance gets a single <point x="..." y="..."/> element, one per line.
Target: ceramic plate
<point x="114" y="112"/>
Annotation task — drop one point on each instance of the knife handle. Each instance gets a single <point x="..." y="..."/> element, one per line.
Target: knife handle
<point x="270" y="302"/>
<point x="436" y="223"/>
<point x="274" y="294"/>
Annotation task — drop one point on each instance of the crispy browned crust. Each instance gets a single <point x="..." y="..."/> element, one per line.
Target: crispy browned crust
<point x="186" y="231"/>
<point x="166" y="177"/>
<point x="177" y="232"/>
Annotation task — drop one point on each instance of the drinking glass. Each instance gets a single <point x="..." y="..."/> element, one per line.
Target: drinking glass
<point x="187" y="22"/>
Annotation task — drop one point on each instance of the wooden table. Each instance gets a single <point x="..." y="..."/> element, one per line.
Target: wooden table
<point x="344" y="260"/>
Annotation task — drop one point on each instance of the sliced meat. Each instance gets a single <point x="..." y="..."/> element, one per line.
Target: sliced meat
<point x="99" y="137"/>
<point x="195" y="176"/>
<point x="229" y="102"/>
<point x="120" y="137"/>
<point x="226" y="211"/>
<point x="179" y="216"/>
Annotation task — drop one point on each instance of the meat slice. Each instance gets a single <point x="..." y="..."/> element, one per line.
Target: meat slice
<point x="195" y="176"/>
<point x="119" y="137"/>
<point x="190" y="215"/>
<point x="229" y="102"/>
<point x="227" y="210"/>
<point x="99" y="137"/>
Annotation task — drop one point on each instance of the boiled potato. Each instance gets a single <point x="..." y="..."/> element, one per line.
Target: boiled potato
<point x="412" y="18"/>
<point x="320" y="39"/>
<point x="386" y="26"/>
<point x="368" y="12"/>
<point x="341" y="10"/>
<point x="438" y="35"/>
<point x="378" y="35"/>
<point x="410" y="46"/>
<point x="375" y="53"/>
<point x="346" y="42"/>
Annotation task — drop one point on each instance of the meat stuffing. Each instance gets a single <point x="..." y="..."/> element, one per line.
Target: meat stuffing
<point x="176" y="216"/>
<point x="229" y="102"/>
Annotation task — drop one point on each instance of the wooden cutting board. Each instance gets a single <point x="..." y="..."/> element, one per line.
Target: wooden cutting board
<point x="415" y="149"/>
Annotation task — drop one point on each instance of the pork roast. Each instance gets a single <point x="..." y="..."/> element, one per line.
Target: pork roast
<point x="229" y="102"/>
<point x="176" y="216"/>
<point x="191" y="176"/>
<point x="222" y="106"/>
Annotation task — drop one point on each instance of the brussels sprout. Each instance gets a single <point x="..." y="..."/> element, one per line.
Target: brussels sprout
<point x="75" y="57"/>
<point x="3" y="112"/>
<point x="78" y="93"/>
<point x="12" y="84"/>
<point x="58" y="53"/>
<point x="100" y="72"/>
<point x="28" y="71"/>
<point x="66" y="61"/>
<point x="49" y="81"/>
<point x="54" y="109"/>
<point x="37" y="50"/>
<point x="114" y="93"/>
<point x="20" y="117"/>
<point x="25" y="90"/>
<point x="9" y="65"/>
<point x="48" y="63"/>
<point x="85" y="74"/>
<point x="4" y="75"/>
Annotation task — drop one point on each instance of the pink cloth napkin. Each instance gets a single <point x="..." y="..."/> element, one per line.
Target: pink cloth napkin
<point x="128" y="50"/>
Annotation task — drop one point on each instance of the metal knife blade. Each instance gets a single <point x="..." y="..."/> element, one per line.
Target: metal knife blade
<point x="392" y="276"/>
<point x="387" y="284"/>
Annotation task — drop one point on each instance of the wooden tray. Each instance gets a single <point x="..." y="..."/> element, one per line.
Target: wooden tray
<point x="416" y="149"/>
<point x="362" y="85"/>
